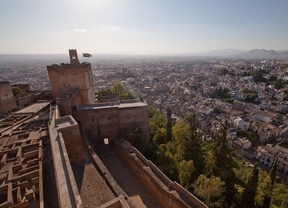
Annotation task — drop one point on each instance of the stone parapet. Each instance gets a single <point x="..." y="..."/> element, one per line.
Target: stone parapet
<point x="168" y="193"/>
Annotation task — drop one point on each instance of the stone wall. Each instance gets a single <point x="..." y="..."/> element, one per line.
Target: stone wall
<point x="131" y="118"/>
<point x="99" y="123"/>
<point x="112" y="97"/>
<point x="64" y="105"/>
<point x="7" y="99"/>
<point x="113" y="122"/>
<point x="66" y="77"/>
<point x="25" y="99"/>
<point x="168" y="193"/>
<point x="72" y="138"/>
<point x="68" y="194"/>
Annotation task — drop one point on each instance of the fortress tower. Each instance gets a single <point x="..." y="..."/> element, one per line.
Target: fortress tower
<point x="72" y="80"/>
<point x="7" y="99"/>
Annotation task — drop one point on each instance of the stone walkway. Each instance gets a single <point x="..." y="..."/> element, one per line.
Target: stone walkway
<point x="127" y="180"/>
<point x="93" y="189"/>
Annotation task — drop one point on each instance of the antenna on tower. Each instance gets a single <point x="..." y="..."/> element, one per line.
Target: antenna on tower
<point x="75" y="45"/>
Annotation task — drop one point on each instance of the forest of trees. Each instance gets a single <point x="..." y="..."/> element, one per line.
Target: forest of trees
<point x="209" y="169"/>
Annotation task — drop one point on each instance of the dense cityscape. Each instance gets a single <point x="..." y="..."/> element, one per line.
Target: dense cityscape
<point x="249" y="95"/>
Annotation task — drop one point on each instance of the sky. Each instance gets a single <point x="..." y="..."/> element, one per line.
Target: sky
<point x="146" y="27"/>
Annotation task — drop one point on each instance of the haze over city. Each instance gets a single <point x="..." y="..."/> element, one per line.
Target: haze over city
<point x="141" y="27"/>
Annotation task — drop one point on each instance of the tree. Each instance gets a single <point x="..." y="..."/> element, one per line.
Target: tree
<point x="169" y="125"/>
<point x="16" y="90"/>
<point x="166" y="162"/>
<point x="192" y="149"/>
<point x="185" y="170"/>
<point x="258" y="76"/>
<point x="248" y="196"/>
<point x="222" y="153"/>
<point x="210" y="190"/>
<point x="160" y="136"/>
<point x="273" y="173"/>
<point x="224" y="164"/>
<point x="280" y="195"/>
<point x="117" y="88"/>
<point x="181" y="131"/>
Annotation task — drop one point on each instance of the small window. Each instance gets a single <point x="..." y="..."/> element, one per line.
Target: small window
<point x="93" y="119"/>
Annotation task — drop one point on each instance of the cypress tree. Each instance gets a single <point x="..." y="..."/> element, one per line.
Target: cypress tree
<point x="192" y="147"/>
<point x="224" y="164"/>
<point x="169" y="126"/>
<point x="248" y="196"/>
<point x="273" y="173"/>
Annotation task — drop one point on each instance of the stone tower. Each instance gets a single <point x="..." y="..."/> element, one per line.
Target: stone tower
<point x="73" y="81"/>
<point x="7" y="99"/>
<point x="73" y="57"/>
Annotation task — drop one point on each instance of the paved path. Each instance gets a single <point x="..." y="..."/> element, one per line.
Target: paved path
<point x="127" y="180"/>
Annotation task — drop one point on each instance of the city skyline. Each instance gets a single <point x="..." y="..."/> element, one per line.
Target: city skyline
<point x="141" y="27"/>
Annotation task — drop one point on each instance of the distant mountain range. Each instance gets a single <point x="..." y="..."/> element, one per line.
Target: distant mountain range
<point x="225" y="53"/>
<point x="253" y="54"/>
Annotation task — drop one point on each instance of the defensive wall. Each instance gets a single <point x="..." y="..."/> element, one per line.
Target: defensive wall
<point x="72" y="138"/>
<point x="7" y="100"/>
<point x="113" y="120"/>
<point x="70" y="76"/>
<point x="169" y="194"/>
<point x="28" y="98"/>
<point x="111" y="97"/>
<point x="68" y="194"/>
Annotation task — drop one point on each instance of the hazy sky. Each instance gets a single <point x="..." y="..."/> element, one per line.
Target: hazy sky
<point x="141" y="26"/>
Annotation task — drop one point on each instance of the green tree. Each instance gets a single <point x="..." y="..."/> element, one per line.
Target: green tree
<point x="210" y="190"/>
<point x="166" y="162"/>
<point x="16" y="90"/>
<point x="126" y="96"/>
<point x="263" y="196"/>
<point x="181" y="131"/>
<point x="192" y="148"/>
<point x="280" y="195"/>
<point x="224" y="164"/>
<point x="273" y="173"/>
<point x="117" y="88"/>
<point x="160" y="136"/>
<point x="169" y="125"/>
<point x="258" y="76"/>
<point x="185" y="170"/>
<point x="248" y="196"/>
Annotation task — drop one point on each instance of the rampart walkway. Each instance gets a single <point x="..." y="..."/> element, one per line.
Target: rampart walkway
<point x="126" y="179"/>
